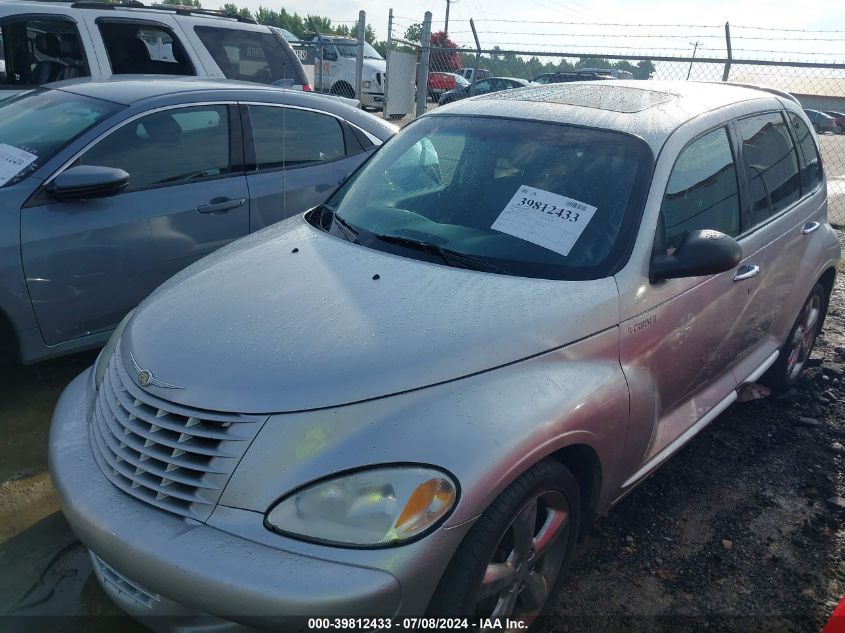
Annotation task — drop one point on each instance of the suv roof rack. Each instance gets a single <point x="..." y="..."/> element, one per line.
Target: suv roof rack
<point x="176" y="8"/>
<point x="774" y="91"/>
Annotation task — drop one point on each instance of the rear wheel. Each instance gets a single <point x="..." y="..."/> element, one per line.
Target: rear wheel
<point x="509" y="564"/>
<point x="799" y="344"/>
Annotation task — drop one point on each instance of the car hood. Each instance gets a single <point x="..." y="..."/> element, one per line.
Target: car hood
<point x="293" y="319"/>
<point x="377" y="65"/>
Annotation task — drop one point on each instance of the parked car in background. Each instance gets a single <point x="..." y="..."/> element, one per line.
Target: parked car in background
<point x="339" y="69"/>
<point x="615" y="73"/>
<point x="109" y="188"/>
<point x="485" y="86"/>
<point x="822" y="122"/>
<point x="439" y="82"/>
<point x="839" y="117"/>
<point x="472" y="74"/>
<point x="54" y="41"/>
<point x="286" y="424"/>
<point x="564" y="77"/>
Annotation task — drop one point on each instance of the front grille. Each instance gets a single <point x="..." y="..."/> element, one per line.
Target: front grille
<point x="168" y="455"/>
<point x="120" y="583"/>
<point x="378" y="79"/>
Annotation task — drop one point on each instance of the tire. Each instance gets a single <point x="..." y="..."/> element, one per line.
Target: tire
<point x="519" y="585"/>
<point x="343" y="89"/>
<point x="817" y="128"/>
<point x="799" y="344"/>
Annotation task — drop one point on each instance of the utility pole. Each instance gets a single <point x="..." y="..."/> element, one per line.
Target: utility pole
<point x="695" y="48"/>
<point x="446" y="27"/>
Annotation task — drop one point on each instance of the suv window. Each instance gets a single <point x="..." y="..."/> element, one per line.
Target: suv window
<point x="172" y="146"/>
<point x="143" y="48"/>
<point x="38" y="51"/>
<point x="248" y="55"/>
<point x="288" y="137"/>
<point x="771" y="165"/>
<point x="812" y="162"/>
<point x="702" y="192"/>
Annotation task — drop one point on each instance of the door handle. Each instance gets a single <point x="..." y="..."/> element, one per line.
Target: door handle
<point x="747" y="272"/>
<point x="810" y="227"/>
<point x="221" y="206"/>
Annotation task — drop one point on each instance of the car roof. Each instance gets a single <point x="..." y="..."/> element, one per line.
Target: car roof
<point x="131" y="89"/>
<point x="651" y="110"/>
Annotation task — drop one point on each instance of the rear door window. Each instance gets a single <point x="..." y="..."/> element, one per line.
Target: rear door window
<point x="770" y="163"/>
<point x="812" y="172"/>
<point x="289" y="137"/>
<point x="39" y="50"/>
<point x="143" y="48"/>
<point x="248" y="55"/>
<point x="702" y="192"/>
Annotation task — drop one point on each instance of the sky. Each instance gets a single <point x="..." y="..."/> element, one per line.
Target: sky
<point x="561" y="24"/>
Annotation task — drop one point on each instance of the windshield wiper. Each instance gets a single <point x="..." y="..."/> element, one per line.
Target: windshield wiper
<point x="349" y="232"/>
<point x="449" y="256"/>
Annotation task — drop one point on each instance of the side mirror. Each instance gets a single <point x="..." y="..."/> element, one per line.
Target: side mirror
<point x="88" y="181"/>
<point x="702" y="252"/>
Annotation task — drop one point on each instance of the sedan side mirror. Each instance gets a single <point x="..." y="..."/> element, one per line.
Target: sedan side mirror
<point x="703" y="252"/>
<point x="88" y="181"/>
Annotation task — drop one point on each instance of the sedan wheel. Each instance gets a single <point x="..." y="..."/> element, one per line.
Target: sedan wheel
<point x="509" y="564"/>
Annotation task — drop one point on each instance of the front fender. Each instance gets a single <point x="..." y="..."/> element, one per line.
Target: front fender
<point x="485" y="429"/>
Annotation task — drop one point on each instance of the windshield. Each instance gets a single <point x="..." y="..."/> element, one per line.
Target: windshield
<point x="36" y="124"/>
<point x="532" y="199"/>
<point x="351" y="50"/>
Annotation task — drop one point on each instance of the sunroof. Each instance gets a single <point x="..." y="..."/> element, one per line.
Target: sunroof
<point x="598" y="95"/>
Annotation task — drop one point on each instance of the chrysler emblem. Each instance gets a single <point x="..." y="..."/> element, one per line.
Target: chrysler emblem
<point x="145" y="377"/>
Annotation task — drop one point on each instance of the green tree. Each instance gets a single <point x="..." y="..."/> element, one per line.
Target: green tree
<point x="645" y="70"/>
<point x="232" y="8"/>
<point x="185" y="3"/>
<point x="414" y="33"/>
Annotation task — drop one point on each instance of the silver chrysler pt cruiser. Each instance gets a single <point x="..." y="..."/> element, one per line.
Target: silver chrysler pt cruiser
<point x="415" y="398"/>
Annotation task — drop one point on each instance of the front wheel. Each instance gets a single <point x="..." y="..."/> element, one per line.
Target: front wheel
<point x="796" y="352"/>
<point x="509" y="564"/>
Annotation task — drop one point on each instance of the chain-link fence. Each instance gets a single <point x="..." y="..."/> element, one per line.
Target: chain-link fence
<point x="800" y="62"/>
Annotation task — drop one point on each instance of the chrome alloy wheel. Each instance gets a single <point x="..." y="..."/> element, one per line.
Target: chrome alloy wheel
<point x="527" y="561"/>
<point x="802" y="340"/>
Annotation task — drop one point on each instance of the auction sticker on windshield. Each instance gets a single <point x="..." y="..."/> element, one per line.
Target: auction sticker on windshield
<point x="12" y="162"/>
<point x="545" y="219"/>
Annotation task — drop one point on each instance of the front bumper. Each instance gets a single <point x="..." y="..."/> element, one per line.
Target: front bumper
<point x="372" y="99"/>
<point x="192" y="569"/>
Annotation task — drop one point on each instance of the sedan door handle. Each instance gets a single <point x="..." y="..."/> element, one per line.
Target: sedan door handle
<point x="747" y="272"/>
<point x="810" y="227"/>
<point x="221" y="206"/>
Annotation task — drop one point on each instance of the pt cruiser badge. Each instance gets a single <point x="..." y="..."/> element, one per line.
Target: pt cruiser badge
<point x="145" y="377"/>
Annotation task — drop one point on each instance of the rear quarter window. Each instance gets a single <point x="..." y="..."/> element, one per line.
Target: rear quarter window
<point x="812" y="168"/>
<point x="249" y="55"/>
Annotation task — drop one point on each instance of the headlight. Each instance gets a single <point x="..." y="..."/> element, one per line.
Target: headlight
<point x="108" y="350"/>
<point x="366" y="84"/>
<point x="376" y="507"/>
